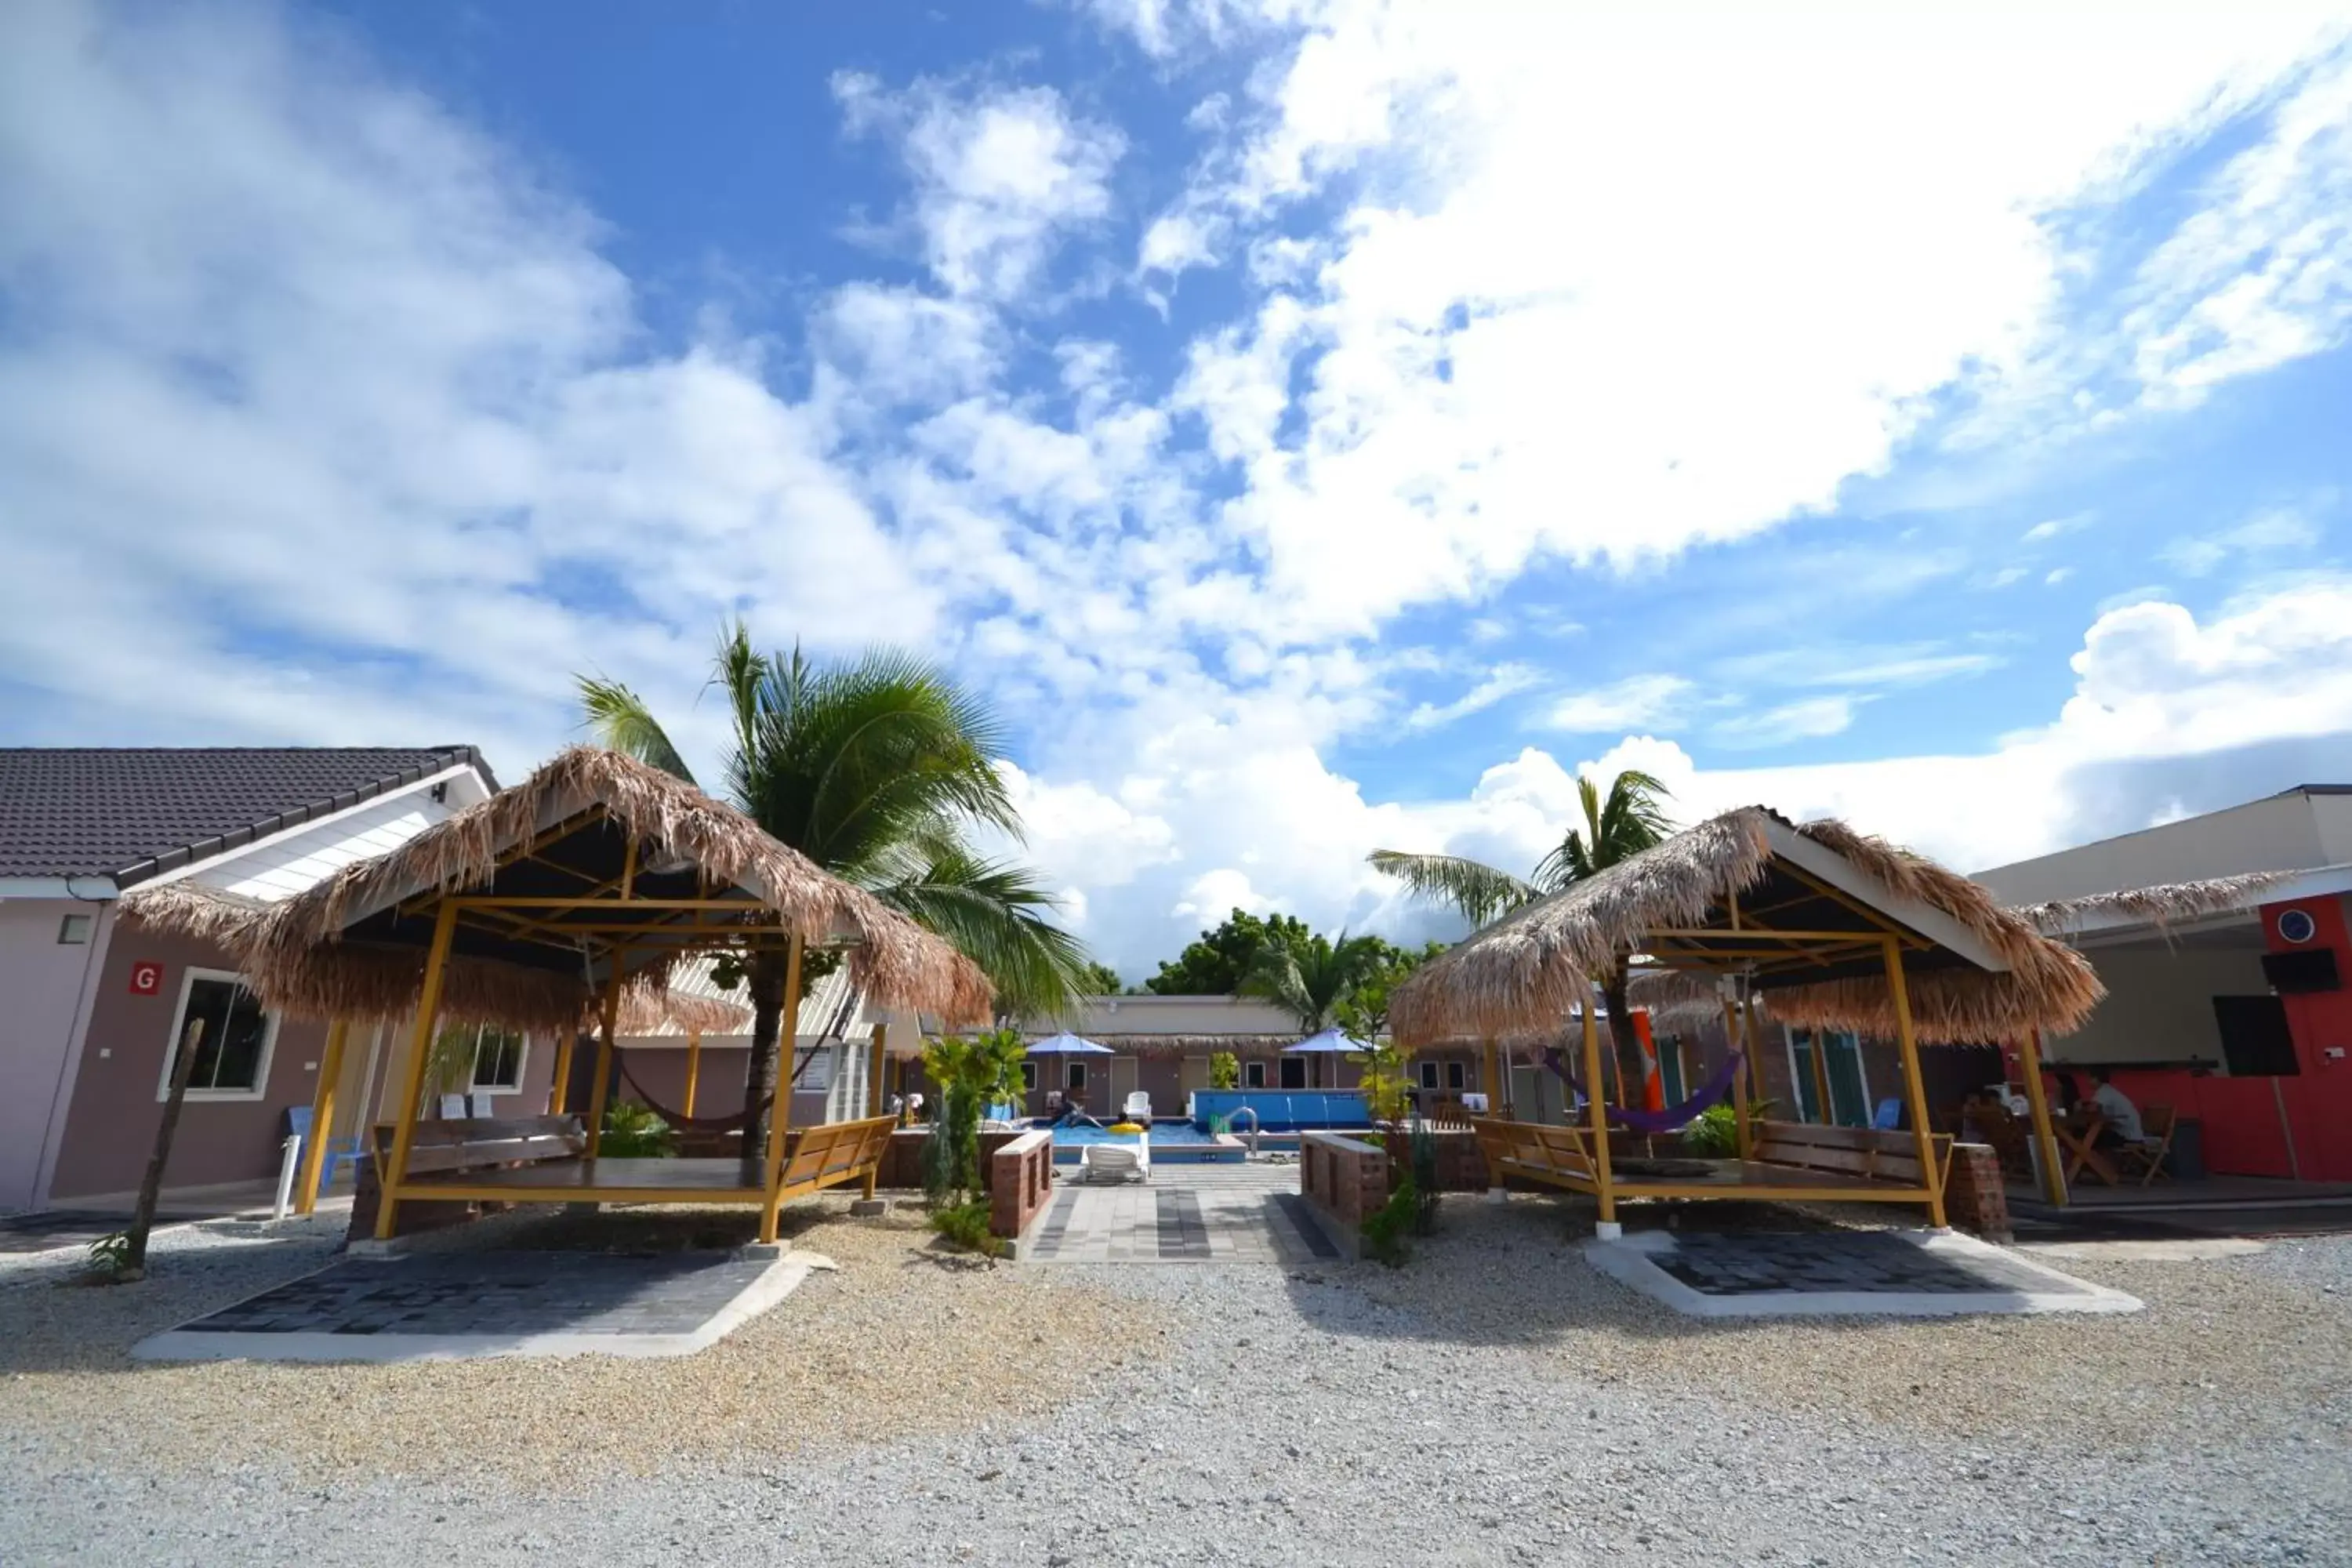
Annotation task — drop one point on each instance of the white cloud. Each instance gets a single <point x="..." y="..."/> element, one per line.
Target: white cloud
<point x="1507" y="680"/>
<point x="2057" y="576"/>
<point x="1635" y="702"/>
<point x="2277" y="533"/>
<point x="2042" y="533"/>
<point x="1810" y="718"/>
<point x="1513" y="320"/>
<point x="999" y="176"/>
<point x="1847" y="664"/>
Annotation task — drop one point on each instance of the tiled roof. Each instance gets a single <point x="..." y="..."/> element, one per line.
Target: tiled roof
<point x="131" y="812"/>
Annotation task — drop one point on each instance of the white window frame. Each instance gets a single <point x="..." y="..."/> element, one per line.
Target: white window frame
<point x="1028" y="1078"/>
<point x="1429" y="1076"/>
<point x="1253" y="1069"/>
<point x="1457" y="1076"/>
<point x="270" y="1021"/>
<point x="1074" y="1075"/>
<point x="522" y="1064"/>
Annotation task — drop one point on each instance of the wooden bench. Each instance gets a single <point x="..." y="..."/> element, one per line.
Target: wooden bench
<point x="1870" y="1154"/>
<point x="1539" y="1152"/>
<point x="438" y="1148"/>
<point x="832" y="1152"/>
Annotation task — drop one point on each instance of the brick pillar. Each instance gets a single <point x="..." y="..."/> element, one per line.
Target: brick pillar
<point x="1976" y="1200"/>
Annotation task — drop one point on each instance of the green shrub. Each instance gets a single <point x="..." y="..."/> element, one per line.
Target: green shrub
<point x="1385" y="1229"/>
<point x="1224" y="1070"/>
<point x="1424" y="1178"/>
<point x="632" y="1132"/>
<point x="1714" y="1134"/>
<point x="966" y="1225"/>
<point x="110" y="1256"/>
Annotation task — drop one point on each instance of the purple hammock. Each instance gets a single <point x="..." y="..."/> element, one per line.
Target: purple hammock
<point x="1711" y="1092"/>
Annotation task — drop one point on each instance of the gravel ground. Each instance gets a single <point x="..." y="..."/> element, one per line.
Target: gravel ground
<point x="1494" y="1403"/>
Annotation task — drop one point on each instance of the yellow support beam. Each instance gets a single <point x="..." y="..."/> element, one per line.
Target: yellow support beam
<point x="1924" y="1137"/>
<point x="1598" y="1113"/>
<point x="874" y="1073"/>
<point x="558" y="1091"/>
<point x="2045" y="1137"/>
<point x="428" y="1005"/>
<point x="693" y="1066"/>
<point x="322" y="1117"/>
<point x="610" y="1024"/>
<point x="1744" y="1140"/>
<point x="780" y="1114"/>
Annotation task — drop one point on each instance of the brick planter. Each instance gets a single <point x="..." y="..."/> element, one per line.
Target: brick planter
<point x="1020" y="1182"/>
<point x="1976" y="1200"/>
<point x="1343" y="1180"/>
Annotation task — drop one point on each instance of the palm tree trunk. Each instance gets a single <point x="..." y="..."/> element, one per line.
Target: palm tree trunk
<point x="766" y="976"/>
<point x="1632" y="1068"/>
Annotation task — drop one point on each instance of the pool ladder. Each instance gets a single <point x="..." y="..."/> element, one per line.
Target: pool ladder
<point x="1249" y="1112"/>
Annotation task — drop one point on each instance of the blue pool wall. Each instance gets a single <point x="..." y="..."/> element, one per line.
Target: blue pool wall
<point x="1284" y="1111"/>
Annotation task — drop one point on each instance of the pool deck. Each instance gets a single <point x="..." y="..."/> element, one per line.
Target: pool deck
<point x="1211" y="1213"/>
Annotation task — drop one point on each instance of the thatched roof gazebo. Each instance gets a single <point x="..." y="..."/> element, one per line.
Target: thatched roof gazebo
<point x="554" y="901"/>
<point x="1836" y="928"/>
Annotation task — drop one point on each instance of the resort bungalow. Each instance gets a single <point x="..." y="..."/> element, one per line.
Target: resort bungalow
<point x="2223" y="944"/>
<point x="114" y="867"/>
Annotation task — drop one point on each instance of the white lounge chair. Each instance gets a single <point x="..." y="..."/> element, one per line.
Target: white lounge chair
<point x="1115" y="1162"/>
<point x="1138" y="1107"/>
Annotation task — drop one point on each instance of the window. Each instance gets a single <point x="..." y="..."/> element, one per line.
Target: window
<point x="232" y="1056"/>
<point x="497" y="1061"/>
<point x="1429" y="1075"/>
<point x="1028" y="1075"/>
<point x="1252" y="1074"/>
<point x="1077" y="1079"/>
<point x="1294" y="1072"/>
<point x="1453" y="1076"/>
<point x="73" y="931"/>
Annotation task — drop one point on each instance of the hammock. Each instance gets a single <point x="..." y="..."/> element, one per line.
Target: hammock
<point x="735" y="1124"/>
<point x="1711" y="1092"/>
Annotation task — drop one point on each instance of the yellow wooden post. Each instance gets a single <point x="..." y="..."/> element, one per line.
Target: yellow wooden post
<point x="610" y="1024"/>
<point x="1490" y="1078"/>
<point x="693" y="1066"/>
<point x="1923" y="1137"/>
<point x="2045" y="1139"/>
<point x="780" y="1115"/>
<point x="874" y="1073"/>
<point x="1755" y="1053"/>
<point x="322" y="1117"/>
<point x="1598" y="1116"/>
<point x="420" y="1051"/>
<point x="559" y="1091"/>
<point x="1743" y="1139"/>
<point x="1820" y="1053"/>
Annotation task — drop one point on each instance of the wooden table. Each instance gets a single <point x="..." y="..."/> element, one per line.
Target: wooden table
<point x="2078" y="1137"/>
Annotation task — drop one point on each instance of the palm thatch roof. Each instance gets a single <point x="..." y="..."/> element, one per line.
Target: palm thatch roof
<point x="673" y="1011"/>
<point x="1974" y="969"/>
<point x="355" y="944"/>
<point x="2160" y="906"/>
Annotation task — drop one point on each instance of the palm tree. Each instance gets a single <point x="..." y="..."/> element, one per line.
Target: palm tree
<point x="875" y="769"/>
<point x="1310" y="979"/>
<point x="1617" y="827"/>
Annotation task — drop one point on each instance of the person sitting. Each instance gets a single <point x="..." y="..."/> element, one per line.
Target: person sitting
<point x="2122" y="1116"/>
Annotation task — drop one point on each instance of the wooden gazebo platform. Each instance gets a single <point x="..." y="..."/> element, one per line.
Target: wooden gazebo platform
<point x="546" y="907"/>
<point x="1835" y="927"/>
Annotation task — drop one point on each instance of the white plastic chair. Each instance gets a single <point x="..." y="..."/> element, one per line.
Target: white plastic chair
<point x="1138" y="1107"/>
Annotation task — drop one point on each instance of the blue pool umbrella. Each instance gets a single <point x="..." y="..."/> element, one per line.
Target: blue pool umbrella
<point x="1067" y="1044"/>
<point x="1330" y="1042"/>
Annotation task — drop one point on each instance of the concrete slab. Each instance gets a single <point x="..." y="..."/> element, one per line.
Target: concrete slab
<point x="1843" y="1273"/>
<point x="475" y="1305"/>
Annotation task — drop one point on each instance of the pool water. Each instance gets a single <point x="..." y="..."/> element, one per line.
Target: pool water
<point x="1174" y="1141"/>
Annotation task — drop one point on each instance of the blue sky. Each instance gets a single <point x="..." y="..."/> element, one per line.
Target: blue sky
<point x="1317" y="426"/>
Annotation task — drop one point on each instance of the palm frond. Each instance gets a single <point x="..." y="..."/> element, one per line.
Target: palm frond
<point x="996" y="914"/>
<point x="1477" y="890"/>
<point x="620" y="722"/>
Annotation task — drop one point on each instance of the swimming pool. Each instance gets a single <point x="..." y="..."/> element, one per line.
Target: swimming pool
<point x="1177" y="1143"/>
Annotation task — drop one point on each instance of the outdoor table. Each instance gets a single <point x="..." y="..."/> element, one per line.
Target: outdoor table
<point x="2080" y="1134"/>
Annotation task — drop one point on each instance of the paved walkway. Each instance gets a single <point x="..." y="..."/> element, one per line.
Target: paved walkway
<point x="1204" y="1214"/>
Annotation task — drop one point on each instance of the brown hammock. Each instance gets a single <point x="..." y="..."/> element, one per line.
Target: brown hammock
<point x="735" y="1124"/>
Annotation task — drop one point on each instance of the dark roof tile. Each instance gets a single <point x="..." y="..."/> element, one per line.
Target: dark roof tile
<point x="131" y="812"/>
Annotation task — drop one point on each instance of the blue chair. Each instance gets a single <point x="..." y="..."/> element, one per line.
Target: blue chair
<point x="1888" y="1116"/>
<point x="339" y="1151"/>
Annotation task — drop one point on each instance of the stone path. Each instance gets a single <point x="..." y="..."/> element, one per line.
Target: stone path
<point x="1206" y="1214"/>
<point x="1846" y="1260"/>
<point x="467" y="1304"/>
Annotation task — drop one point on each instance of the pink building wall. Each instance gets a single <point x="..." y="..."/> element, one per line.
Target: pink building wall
<point x="44" y="987"/>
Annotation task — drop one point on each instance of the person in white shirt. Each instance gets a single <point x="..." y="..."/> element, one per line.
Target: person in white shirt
<point x="2123" y="1116"/>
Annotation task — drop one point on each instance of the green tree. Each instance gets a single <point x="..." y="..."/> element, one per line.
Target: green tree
<point x="1364" y="1014"/>
<point x="1215" y="965"/>
<point x="1311" y="977"/>
<point x="878" y="769"/>
<point x="1099" y="979"/>
<point x="1629" y="818"/>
